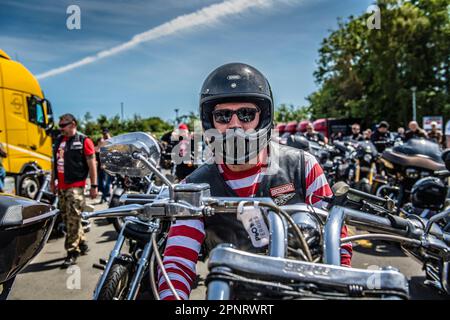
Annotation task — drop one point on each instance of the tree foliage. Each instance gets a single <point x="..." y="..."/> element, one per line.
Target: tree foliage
<point x="285" y="113"/>
<point x="368" y="73"/>
<point x="93" y="128"/>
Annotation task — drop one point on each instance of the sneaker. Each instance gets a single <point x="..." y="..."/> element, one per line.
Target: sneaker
<point x="84" y="248"/>
<point x="71" y="259"/>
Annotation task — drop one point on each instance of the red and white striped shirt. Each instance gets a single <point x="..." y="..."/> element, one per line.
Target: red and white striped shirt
<point x="186" y="236"/>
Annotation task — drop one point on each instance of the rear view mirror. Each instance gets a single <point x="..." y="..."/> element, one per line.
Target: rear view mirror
<point x="50" y="121"/>
<point x="118" y="154"/>
<point x="340" y="188"/>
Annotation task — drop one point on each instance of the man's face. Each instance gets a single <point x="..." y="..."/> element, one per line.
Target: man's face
<point x="248" y="112"/>
<point x="309" y="128"/>
<point x="66" y="126"/>
<point x="412" y="126"/>
<point x="382" y="129"/>
<point x="355" y="129"/>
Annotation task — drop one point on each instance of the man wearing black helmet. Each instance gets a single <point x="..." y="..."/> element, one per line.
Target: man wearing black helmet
<point x="236" y="109"/>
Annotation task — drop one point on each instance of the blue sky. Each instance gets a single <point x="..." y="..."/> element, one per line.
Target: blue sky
<point x="157" y="76"/>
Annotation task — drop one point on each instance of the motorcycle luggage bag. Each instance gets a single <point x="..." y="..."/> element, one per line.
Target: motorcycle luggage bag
<point x="25" y="226"/>
<point x="419" y="153"/>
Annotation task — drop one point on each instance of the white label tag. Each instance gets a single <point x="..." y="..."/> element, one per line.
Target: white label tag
<point x="253" y="221"/>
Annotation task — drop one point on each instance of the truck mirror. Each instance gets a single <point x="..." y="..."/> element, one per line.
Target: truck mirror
<point x="49" y="120"/>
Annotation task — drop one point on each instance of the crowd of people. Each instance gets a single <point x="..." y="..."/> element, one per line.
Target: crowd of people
<point x="379" y="137"/>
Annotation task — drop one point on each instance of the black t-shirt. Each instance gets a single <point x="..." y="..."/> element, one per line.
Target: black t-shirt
<point x="377" y="136"/>
<point x="355" y="137"/>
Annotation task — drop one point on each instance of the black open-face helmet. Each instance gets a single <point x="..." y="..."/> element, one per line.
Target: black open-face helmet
<point x="429" y="193"/>
<point x="239" y="82"/>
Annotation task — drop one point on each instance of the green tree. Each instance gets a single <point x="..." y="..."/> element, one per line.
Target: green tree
<point x="286" y="113"/>
<point x="369" y="73"/>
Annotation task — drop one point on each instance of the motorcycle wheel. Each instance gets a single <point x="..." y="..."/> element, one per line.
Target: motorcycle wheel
<point x="116" y="283"/>
<point x="29" y="186"/>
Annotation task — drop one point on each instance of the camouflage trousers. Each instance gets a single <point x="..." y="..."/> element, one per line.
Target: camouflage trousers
<point x="71" y="203"/>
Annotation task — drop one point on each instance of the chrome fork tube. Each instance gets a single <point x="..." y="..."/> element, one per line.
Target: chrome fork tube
<point x="331" y="235"/>
<point x="278" y="241"/>
<point x="137" y="277"/>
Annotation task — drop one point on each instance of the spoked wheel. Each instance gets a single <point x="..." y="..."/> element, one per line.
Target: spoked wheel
<point x="116" y="283"/>
<point x="29" y="186"/>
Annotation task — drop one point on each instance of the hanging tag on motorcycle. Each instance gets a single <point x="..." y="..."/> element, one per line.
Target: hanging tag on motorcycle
<point x="253" y="222"/>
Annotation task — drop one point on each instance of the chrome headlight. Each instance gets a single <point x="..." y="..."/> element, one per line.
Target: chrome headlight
<point x="367" y="158"/>
<point x="311" y="229"/>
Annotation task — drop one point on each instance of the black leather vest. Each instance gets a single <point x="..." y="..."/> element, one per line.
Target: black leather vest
<point x="284" y="183"/>
<point x="75" y="164"/>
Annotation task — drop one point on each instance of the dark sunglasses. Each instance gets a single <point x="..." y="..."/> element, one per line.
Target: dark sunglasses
<point x="63" y="125"/>
<point x="244" y="115"/>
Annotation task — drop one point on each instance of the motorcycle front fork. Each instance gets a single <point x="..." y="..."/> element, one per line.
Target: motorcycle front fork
<point x="142" y="264"/>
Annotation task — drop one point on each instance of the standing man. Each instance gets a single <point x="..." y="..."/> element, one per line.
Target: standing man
<point x="104" y="179"/>
<point x="73" y="160"/>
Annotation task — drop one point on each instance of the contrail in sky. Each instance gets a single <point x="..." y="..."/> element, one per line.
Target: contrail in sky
<point x="204" y="16"/>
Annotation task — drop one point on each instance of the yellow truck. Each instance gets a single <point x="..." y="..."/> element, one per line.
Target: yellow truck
<point x="26" y="123"/>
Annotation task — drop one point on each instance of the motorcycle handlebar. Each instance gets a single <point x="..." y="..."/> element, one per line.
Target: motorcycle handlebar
<point x="397" y="226"/>
<point x="166" y="208"/>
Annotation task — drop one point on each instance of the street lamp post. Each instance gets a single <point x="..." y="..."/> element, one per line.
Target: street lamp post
<point x="414" y="89"/>
<point x="176" y="116"/>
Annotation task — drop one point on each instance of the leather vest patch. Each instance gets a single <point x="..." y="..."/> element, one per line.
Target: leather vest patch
<point x="284" y="198"/>
<point x="282" y="194"/>
<point x="285" y="188"/>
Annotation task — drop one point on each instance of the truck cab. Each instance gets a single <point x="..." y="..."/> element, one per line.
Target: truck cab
<point x="26" y="120"/>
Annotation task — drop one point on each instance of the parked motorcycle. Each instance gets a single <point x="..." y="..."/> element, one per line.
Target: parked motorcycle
<point x="25" y="226"/>
<point x="362" y="167"/>
<point x="233" y="272"/>
<point x="425" y="239"/>
<point x="404" y="164"/>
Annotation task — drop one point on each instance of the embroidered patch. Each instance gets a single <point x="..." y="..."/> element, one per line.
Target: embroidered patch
<point x="283" y="198"/>
<point x="285" y="188"/>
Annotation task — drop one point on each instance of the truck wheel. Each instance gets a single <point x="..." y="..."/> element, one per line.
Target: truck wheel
<point x="29" y="186"/>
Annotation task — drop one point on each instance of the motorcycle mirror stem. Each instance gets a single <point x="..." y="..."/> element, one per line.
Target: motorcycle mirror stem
<point x="152" y="167"/>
